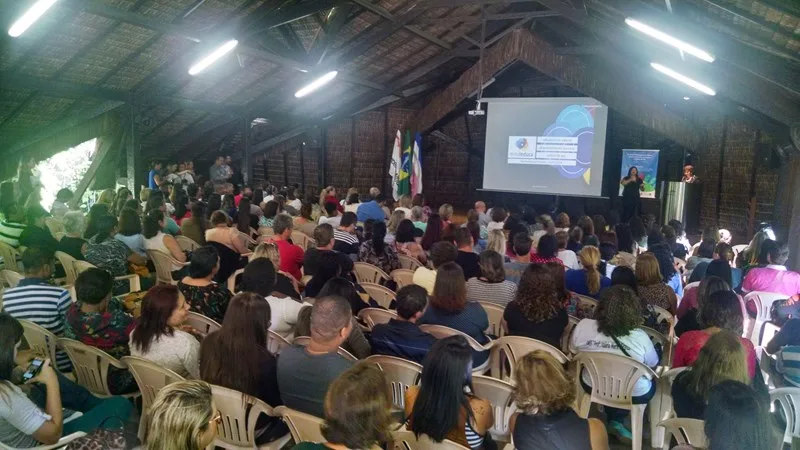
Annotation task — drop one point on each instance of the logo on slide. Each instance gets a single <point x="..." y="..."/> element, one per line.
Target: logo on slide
<point x="575" y="121"/>
<point x="522" y="144"/>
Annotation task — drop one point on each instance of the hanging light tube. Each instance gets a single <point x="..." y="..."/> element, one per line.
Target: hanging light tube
<point x="30" y="17"/>
<point x="316" y="84"/>
<point x="208" y="60"/>
<point x="669" y="40"/>
<point x="683" y="79"/>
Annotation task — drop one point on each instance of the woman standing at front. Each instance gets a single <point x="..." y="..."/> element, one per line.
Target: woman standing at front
<point x="631" y="185"/>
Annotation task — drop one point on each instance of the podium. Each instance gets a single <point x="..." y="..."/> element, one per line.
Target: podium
<point x="682" y="202"/>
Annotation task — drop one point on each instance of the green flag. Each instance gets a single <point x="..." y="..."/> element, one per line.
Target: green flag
<point x="404" y="186"/>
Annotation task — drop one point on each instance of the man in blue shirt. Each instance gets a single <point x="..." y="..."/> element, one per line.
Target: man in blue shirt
<point x="154" y="177"/>
<point x="521" y="246"/>
<point x="401" y="337"/>
<point x="370" y="209"/>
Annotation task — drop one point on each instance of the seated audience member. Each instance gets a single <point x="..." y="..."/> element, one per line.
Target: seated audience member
<point x="717" y="268"/>
<point x="586" y="224"/>
<point x="536" y="312"/>
<point x="639" y="233"/>
<point x="688" y="319"/>
<point x="331" y="216"/>
<point x="243" y="338"/>
<point x="615" y="329"/>
<point x="467" y="258"/>
<point x="221" y="232"/>
<point x="625" y="247"/>
<point x="36" y="300"/>
<point x="498" y="216"/>
<point x="356" y="343"/>
<point x="304" y="373"/>
<point x="271" y="209"/>
<point x="329" y="266"/>
<point x="405" y="244"/>
<point x="305" y="222"/>
<point x="433" y="232"/>
<point x="588" y="280"/>
<point x="357" y="411"/>
<point x="497" y="243"/>
<point x="546" y="250"/>
<point x="161" y="335"/>
<point x="418" y="218"/>
<point x="377" y="252"/>
<point x="36" y="232"/>
<point x="344" y="236"/>
<point x="157" y="202"/>
<point x="521" y="250"/>
<point x="195" y="227"/>
<point x="491" y="284"/>
<point x="391" y="227"/>
<point x="722" y="311"/>
<point x="182" y="416"/>
<point x="721" y="358"/>
<point x="749" y="257"/>
<point x="370" y="209"/>
<point x="99" y="320"/>
<point x="60" y="205"/>
<point x="259" y="276"/>
<point x="575" y="239"/>
<point x="446" y="213"/>
<point x="449" y="307"/>
<point x="774" y="277"/>
<point x="95" y="212"/>
<point x="786" y="346"/>
<point x="36" y="417"/>
<point x="544" y="393"/>
<point x="705" y="253"/>
<point x="737" y="418"/>
<point x="12" y="226"/>
<point x="73" y="243"/>
<point x="285" y="285"/>
<point x="155" y="239"/>
<point x="401" y="337"/>
<point x="203" y="295"/>
<point x="291" y="254"/>
<point x="440" y="406"/>
<point x="441" y="253"/>
<point x="666" y="264"/>
<point x="722" y="252"/>
<point x="651" y="288"/>
<point x="568" y="258"/>
<point x="130" y="231"/>
<point x="352" y="203"/>
<point x="323" y="235"/>
<point x="109" y="254"/>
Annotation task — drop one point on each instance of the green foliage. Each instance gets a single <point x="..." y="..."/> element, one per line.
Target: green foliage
<point x="64" y="170"/>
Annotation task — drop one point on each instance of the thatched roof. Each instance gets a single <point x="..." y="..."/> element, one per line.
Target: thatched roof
<point x="129" y="58"/>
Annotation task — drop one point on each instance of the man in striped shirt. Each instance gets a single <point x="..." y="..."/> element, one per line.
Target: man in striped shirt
<point x="36" y="300"/>
<point x="344" y="236"/>
<point x="11" y="227"/>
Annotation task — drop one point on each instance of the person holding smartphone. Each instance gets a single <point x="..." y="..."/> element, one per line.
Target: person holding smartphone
<point x="36" y="417"/>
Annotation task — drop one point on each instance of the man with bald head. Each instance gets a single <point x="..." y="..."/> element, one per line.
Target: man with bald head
<point x="483" y="218"/>
<point x="304" y="373"/>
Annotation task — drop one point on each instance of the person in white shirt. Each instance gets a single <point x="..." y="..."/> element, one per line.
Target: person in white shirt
<point x="259" y="276"/>
<point x="499" y="216"/>
<point x="405" y="205"/>
<point x="295" y="199"/>
<point x="568" y="257"/>
<point x="483" y="217"/>
<point x="616" y="329"/>
<point x="331" y="215"/>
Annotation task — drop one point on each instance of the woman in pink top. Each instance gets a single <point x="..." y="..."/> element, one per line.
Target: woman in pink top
<point x="773" y="276"/>
<point x="221" y="232"/>
<point x="721" y="311"/>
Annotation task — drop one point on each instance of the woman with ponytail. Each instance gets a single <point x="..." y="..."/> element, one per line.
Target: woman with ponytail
<point x="588" y="280"/>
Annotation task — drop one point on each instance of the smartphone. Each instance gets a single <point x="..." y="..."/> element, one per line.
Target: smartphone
<point x="33" y="369"/>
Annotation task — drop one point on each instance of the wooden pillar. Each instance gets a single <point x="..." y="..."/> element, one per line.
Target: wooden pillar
<point x="132" y="159"/>
<point x="794" y="217"/>
<point x="247" y="158"/>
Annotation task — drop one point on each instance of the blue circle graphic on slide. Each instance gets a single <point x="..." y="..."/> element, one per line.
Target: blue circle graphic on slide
<point x="575" y="117"/>
<point x="575" y="121"/>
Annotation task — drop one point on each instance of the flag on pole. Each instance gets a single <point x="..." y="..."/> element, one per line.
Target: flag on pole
<point x="404" y="186"/>
<point x="416" y="166"/>
<point x="394" y="166"/>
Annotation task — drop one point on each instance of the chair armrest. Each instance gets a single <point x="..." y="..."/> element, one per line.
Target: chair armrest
<point x="135" y="281"/>
<point x="63" y="441"/>
<point x="246" y="255"/>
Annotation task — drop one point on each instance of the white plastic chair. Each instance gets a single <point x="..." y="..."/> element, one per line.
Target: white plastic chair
<point x="661" y="405"/>
<point x="303" y="240"/>
<point x="305" y="340"/>
<point x="441" y="332"/>
<point x="40" y="340"/>
<point x="90" y="366"/>
<point x="495" y="314"/>
<point x="232" y="280"/>
<point x="408" y="262"/>
<point x="151" y="378"/>
<point x="403" y="277"/>
<point x="63" y="442"/>
<point x="367" y="273"/>
<point x="68" y="262"/>
<point x="276" y="342"/>
<point x="685" y="431"/>
<point x="11" y="278"/>
<point x="10" y="256"/>
<point x="587" y="305"/>
<point x="237" y="430"/>
<point x="407" y="440"/>
<point x="303" y="427"/>
<point x="658" y="338"/>
<point x="763" y="301"/>
<point x="507" y="350"/>
<point x="499" y="394"/>
<point x="187" y="244"/>
<point x="567" y="335"/>
<point x="163" y="263"/>
<point x="202" y="323"/>
<point x="400" y="375"/>
<point x="789" y="400"/>
<point x="375" y="316"/>
<point x="134" y="283"/>
<point x="381" y="294"/>
<point x="613" y="378"/>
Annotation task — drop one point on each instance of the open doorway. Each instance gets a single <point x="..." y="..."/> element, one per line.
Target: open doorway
<point x="64" y="170"/>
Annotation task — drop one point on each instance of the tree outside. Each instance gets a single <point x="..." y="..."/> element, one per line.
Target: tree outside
<point x="64" y="170"/>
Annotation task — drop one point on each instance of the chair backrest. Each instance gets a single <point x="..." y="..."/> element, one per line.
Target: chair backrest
<point x="239" y="413"/>
<point x="54" y="225"/>
<point x="187" y="244"/>
<point x="11" y="278"/>
<point x="303" y="240"/>
<point x="40" y="340"/>
<point x="658" y="338"/>
<point x="763" y="302"/>
<point x="587" y="305"/>
<point x="265" y="232"/>
<point x="68" y="262"/>
<point x="403" y="277"/>
<point x="9" y="255"/>
<point x="406" y="440"/>
<point x="495" y="314"/>
<point x="375" y="316"/>
<point x="770" y="329"/>
<point x="661" y="404"/>
<point x="202" y="323"/>
<point x="685" y="431"/>
<point x="304" y="427"/>
<point x="499" y="394"/>
<point x="90" y="366"/>
<point x="380" y="294"/>
<point x="276" y="342"/>
<point x="409" y="262"/>
<point x="567" y="335"/>
<point x="441" y="332"/>
<point x="232" y="280"/>
<point x="613" y="377"/>
<point x="163" y="264"/>
<point x="367" y="273"/>
<point x="150" y="377"/>
<point x="789" y="400"/>
<point x="400" y="375"/>
<point x="305" y="340"/>
<point x="507" y="350"/>
<point x="82" y="266"/>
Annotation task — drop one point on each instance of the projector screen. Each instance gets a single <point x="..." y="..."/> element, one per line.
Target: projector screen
<point x="545" y="145"/>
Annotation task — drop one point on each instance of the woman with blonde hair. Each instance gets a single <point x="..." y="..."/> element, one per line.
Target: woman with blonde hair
<point x="182" y="417"/>
<point x="651" y="286"/>
<point x="446" y="213"/>
<point x="391" y="227"/>
<point x="107" y="197"/>
<point x="405" y="204"/>
<point x="588" y="280"/>
<point x="497" y="242"/>
<point x="544" y="393"/>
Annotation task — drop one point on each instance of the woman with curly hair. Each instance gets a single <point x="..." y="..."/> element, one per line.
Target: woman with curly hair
<point x="537" y="311"/>
<point x="544" y="393"/>
<point x="615" y="329"/>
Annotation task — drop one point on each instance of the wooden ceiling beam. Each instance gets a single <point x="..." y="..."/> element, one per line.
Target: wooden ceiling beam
<point x="386" y="14"/>
<point x="477" y="18"/>
<point x="329" y="29"/>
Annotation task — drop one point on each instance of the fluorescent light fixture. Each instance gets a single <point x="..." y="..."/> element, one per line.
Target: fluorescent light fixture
<point x="316" y="84"/>
<point x="31" y="15"/>
<point x="686" y="98"/>
<point x="683" y="79"/>
<point x="213" y="56"/>
<point x="667" y="39"/>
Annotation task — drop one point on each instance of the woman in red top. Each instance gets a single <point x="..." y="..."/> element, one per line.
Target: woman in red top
<point x="328" y="195"/>
<point x="722" y="311"/>
<point x="546" y="250"/>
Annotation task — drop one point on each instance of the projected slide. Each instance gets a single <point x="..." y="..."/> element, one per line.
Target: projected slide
<point x="549" y="146"/>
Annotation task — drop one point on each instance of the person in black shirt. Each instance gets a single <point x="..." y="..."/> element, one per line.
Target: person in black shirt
<point x="631" y="185"/>
<point x="467" y="258"/>
<point x="36" y="234"/>
<point x="323" y="235"/>
<point x="401" y="337"/>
